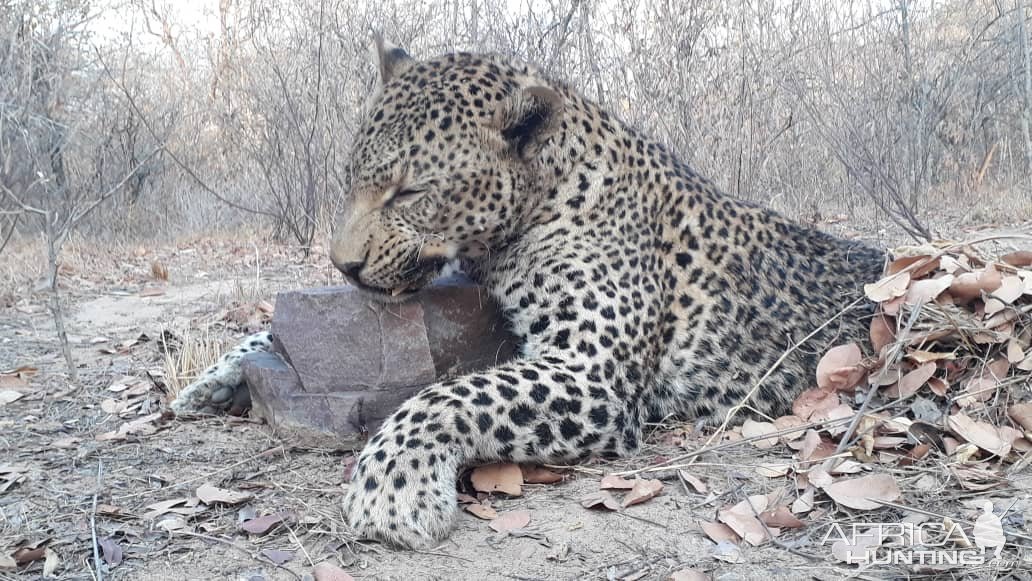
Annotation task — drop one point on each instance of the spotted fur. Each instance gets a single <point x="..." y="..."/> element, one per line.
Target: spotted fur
<point x="222" y="384"/>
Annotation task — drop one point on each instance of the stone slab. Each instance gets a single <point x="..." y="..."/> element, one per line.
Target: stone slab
<point x="341" y="363"/>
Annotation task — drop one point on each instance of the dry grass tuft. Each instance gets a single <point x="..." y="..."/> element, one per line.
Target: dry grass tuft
<point x="188" y="351"/>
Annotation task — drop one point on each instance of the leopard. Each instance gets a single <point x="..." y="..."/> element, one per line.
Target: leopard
<point x="641" y="292"/>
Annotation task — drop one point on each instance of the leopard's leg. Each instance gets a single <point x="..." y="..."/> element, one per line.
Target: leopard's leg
<point x="403" y="489"/>
<point x="221" y="386"/>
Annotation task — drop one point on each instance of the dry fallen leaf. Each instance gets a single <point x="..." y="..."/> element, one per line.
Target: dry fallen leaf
<point x="719" y="532"/>
<point x="210" y="494"/>
<point x="938" y="386"/>
<point x="978" y="389"/>
<point x="1015" y="354"/>
<point x="111" y="551"/>
<point x="913" y="380"/>
<point x="728" y="552"/>
<point x="25" y="555"/>
<point x="1019" y="259"/>
<point x="997" y="368"/>
<point x="614" y="482"/>
<point x="111" y="510"/>
<point x="539" y="475"/>
<point x="264" y="524"/>
<point x="780" y="517"/>
<point x="805" y="501"/>
<point x="500" y="477"/>
<point x="9" y="396"/>
<point x="644" y="489"/>
<point x="926" y="291"/>
<point x="860" y="493"/>
<point x="277" y="556"/>
<point x="141" y="426"/>
<point x="601" y="499"/>
<point x="125" y="383"/>
<point x="975" y="478"/>
<point x="812" y="401"/>
<point x="327" y="571"/>
<point x="848" y="467"/>
<point x="510" y="521"/>
<point x="111" y="406"/>
<point x="887" y="442"/>
<point x="173" y="505"/>
<point x="982" y="434"/>
<point x="890" y="287"/>
<point x="882" y="332"/>
<point x="754" y="429"/>
<point x="839" y="412"/>
<point x="1011" y="288"/>
<point x="1009" y="435"/>
<point x="819" y="477"/>
<point x="481" y="511"/>
<point x="51" y="562"/>
<point x="789" y="422"/>
<point x="695" y="481"/>
<point x="809" y="444"/>
<point x="1022" y="414"/>
<point x="837" y="369"/>
<point x="923" y="263"/>
<point x="15" y="378"/>
<point x="971" y="285"/>
<point x="742" y="519"/>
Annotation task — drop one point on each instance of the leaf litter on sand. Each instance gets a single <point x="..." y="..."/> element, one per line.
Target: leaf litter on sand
<point x="951" y="332"/>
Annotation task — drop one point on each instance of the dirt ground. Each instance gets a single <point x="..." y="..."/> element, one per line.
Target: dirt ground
<point x="70" y="480"/>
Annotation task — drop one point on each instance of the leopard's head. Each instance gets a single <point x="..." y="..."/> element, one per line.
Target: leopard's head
<point x="444" y="166"/>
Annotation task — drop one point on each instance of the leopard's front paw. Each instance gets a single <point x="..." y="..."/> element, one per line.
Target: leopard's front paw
<point x="221" y="387"/>
<point x="211" y="395"/>
<point x="402" y="496"/>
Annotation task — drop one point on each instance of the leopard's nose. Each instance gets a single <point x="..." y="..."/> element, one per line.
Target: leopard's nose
<point x="350" y="269"/>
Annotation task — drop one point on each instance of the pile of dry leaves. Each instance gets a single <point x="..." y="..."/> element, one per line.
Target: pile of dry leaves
<point x="942" y="403"/>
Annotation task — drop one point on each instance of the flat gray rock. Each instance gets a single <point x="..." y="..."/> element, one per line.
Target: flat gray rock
<point x="341" y="362"/>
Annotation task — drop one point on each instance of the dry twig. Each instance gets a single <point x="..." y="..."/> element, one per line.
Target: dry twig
<point x="93" y="523"/>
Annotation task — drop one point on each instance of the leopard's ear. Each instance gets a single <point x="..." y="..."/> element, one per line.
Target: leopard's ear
<point x="392" y="60"/>
<point x="528" y="116"/>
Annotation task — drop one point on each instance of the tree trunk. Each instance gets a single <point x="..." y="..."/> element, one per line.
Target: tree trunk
<point x="1026" y="74"/>
<point x="56" y="309"/>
